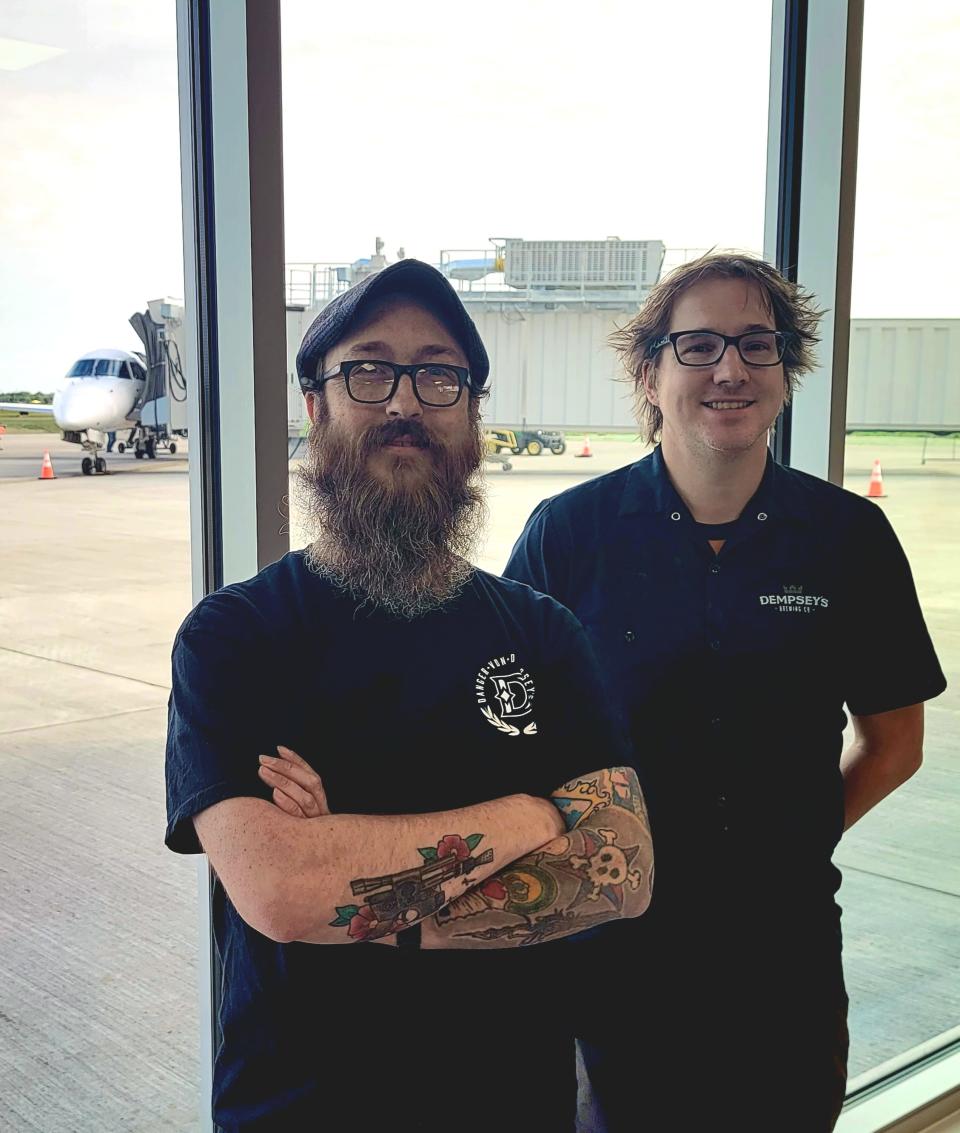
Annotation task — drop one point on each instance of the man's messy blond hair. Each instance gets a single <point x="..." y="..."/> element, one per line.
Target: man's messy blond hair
<point x="793" y="310"/>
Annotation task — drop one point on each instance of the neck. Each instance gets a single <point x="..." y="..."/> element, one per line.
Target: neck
<point x="715" y="486"/>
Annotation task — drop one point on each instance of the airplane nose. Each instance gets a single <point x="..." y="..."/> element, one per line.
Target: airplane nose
<point x="80" y="408"/>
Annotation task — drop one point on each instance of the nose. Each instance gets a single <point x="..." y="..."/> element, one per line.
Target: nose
<point x="404" y="402"/>
<point x="730" y="367"/>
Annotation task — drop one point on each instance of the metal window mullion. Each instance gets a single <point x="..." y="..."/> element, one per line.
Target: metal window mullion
<point x="812" y="152"/>
<point x="793" y="77"/>
<point x="232" y="191"/>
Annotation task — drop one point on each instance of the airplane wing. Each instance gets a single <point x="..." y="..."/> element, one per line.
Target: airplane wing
<point x="26" y="407"/>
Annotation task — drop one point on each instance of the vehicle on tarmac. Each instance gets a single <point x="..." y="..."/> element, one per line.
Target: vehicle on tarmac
<point x="493" y="455"/>
<point x="530" y="441"/>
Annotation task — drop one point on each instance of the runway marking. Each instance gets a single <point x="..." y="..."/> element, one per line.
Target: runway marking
<point x="898" y="880"/>
<point x="86" y="668"/>
<point x="83" y="720"/>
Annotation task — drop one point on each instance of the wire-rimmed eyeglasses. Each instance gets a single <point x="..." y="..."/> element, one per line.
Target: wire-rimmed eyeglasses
<point x="707" y="347"/>
<point x="372" y="381"/>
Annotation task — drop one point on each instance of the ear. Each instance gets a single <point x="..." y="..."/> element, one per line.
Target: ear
<point x="648" y="375"/>
<point x="311" y="400"/>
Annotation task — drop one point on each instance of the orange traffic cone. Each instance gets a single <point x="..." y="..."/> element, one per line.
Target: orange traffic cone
<point x="46" y="469"/>
<point x="875" y="491"/>
<point x="586" y="450"/>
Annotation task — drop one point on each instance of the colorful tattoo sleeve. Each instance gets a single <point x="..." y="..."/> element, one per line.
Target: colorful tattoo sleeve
<point x="398" y="900"/>
<point x="600" y="870"/>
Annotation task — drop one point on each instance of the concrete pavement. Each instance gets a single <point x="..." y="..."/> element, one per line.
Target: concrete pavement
<point x="98" y="920"/>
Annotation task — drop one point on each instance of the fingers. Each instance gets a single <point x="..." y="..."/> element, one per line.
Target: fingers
<point x="309" y="779"/>
<point x="285" y="803"/>
<point x="289" y="753"/>
<point x="297" y="780"/>
<point x="286" y="786"/>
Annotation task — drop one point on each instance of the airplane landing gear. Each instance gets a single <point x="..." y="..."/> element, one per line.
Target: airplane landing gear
<point x="100" y="465"/>
<point x="86" y="466"/>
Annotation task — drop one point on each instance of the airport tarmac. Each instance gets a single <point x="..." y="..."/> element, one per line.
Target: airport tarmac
<point x="99" y="1017"/>
<point x="21" y="457"/>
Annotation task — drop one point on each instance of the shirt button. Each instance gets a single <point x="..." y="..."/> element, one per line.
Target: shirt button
<point x="629" y="636"/>
<point x="675" y="515"/>
<point x="721" y="801"/>
<point x="714" y="569"/>
<point x="714" y="645"/>
<point x="762" y="516"/>
<point x="715" y="722"/>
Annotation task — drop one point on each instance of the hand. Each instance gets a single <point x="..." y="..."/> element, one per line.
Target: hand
<point x="298" y="791"/>
<point x="297" y="788"/>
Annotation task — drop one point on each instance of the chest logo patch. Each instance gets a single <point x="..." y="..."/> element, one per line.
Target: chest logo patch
<point x="794" y="601"/>
<point x="505" y="693"/>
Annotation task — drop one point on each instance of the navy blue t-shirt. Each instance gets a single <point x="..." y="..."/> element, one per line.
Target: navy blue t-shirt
<point x="496" y="693"/>
<point x="732" y="671"/>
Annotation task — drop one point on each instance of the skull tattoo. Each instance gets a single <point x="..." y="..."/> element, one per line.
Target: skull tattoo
<point x="606" y="866"/>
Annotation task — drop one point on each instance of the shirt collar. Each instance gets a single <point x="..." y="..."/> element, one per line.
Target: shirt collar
<point x="781" y="494"/>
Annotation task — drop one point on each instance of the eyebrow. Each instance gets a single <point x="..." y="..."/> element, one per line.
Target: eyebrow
<point x="430" y="351"/>
<point x="745" y="330"/>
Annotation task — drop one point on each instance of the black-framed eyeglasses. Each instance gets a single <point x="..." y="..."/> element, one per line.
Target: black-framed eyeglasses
<point x="372" y="381"/>
<point x="707" y="347"/>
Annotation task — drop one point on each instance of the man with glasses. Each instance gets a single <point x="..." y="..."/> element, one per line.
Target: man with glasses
<point x="377" y="744"/>
<point x="736" y="607"/>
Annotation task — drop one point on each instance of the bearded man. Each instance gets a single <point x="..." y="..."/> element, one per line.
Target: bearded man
<point x="429" y="788"/>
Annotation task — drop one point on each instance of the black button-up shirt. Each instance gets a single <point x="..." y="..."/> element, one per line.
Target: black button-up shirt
<point x="732" y="669"/>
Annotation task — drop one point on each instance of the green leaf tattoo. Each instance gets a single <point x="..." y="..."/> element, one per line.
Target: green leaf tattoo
<point x="345" y="914"/>
<point x="428" y="853"/>
<point x="473" y="840"/>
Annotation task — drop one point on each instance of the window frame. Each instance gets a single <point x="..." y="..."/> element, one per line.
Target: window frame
<point x="235" y="336"/>
<point x="816" y="50"/>
<point x="234" y="332"/>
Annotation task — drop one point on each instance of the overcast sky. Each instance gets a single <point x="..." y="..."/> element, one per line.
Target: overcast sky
<point x="637" y="120"/>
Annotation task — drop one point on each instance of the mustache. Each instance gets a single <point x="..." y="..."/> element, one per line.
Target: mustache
<point x="390" y="432"/>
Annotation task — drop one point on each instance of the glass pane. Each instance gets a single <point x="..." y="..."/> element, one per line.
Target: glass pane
<point x="901" y="863"/>
<point x="99" y="999"/>
<point x="511" y="155"/>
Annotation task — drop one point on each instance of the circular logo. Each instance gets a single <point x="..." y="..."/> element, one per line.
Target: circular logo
<point x="505" y="693"/>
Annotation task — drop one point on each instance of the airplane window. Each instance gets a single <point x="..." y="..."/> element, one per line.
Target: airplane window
<point x="82" y="369"/>
<point x="108" y="367"/>
<point x="138" y="372"/>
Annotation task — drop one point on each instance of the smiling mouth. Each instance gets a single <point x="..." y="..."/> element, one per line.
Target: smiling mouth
<point x="722" y="405"/>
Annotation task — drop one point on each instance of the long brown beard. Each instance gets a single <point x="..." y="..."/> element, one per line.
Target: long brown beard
<point x="402" y="545"/>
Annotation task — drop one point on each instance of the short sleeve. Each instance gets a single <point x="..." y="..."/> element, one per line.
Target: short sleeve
<point x="216" y="716"/>
<point x="540" y="557"/>
<point x="585" y="731"/>
<point x="892" y="662"/>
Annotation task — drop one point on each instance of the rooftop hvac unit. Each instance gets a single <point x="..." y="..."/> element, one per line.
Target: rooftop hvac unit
<point x="627" y="265"/>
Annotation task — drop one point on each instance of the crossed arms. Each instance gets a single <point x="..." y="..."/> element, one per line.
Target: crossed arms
<point x="505" y="873"/>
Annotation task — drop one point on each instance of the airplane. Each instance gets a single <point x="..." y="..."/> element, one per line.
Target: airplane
<point x="102" y="392"/>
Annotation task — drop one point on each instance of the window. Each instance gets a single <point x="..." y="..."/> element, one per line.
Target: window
<point x="901" y="891"/>
<point x="512" y="150"/>
<point x="100" y="945"/>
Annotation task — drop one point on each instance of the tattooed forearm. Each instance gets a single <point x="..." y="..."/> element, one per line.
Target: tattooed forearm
<point x="399" y="900"/>
<point x="600" y="870"/>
